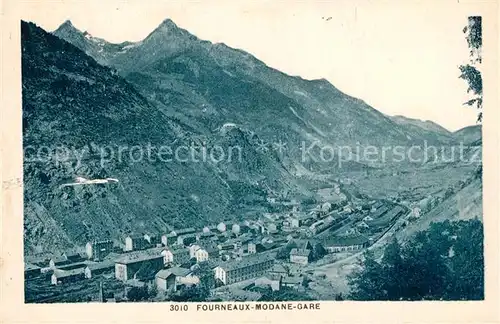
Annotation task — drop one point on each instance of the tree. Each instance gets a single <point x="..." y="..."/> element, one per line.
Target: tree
<point x="138" y="293"/>
<point x="369" y="283"/>
<point x="206" y="275"/>
<point x="467" y="262"/>
<point x="318" y="251"/>
<point x="192" y="294"/>
<point x="443" y="262"/>
<point x="470" y="72"/>
<point x="392" y="264"/>
<point x="284" y="294"/>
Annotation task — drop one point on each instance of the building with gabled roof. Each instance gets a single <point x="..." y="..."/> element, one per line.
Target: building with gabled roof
<point x="292" y="281"/>
<point x="137" y="242"/>
<point x="153" y="239"/>
<point x="204" y="236"/>
<point x="98" y="268"/>
<point x="63" y="276"/>
<point x="278" y="270"/>
<point x="98" y="250"/>
<point x="169" y="239"/>
<point x="208" y="251"/>
<point x="300" y="256"/>
<point x="58" y="261"/>
<point x="388" y="217"/>
<point x="242" y="269"/>
<point x="138" y="264"/>
<point x="169" y="279"/>
<point x="71" y="266"/>
<point x="177" y="256"/>
<point x="73" y="256"/>
<point x="183" y="231"/>
<point x="268" y="281"/>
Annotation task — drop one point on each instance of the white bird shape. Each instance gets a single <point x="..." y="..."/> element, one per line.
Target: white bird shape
<point x="84" y="181"/>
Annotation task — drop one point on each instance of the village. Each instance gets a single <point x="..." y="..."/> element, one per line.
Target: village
<point x="230" y="260"/>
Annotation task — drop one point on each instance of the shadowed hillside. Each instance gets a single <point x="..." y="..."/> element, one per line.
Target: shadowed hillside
<point x="72" y="102"/>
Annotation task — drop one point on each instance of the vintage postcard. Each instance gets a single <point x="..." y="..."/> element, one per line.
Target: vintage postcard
<point x="249" y="161"/>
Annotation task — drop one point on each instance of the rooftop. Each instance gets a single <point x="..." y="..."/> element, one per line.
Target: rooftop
<point x="379" y="212"/>
<point x="279" y="268"/>
<point x="210" y="248"/>
<point x="135" y="237"/>
<point x="94" y="242"/>
<point x="69" y="273"/>
<point x="345" y="240"/>
<point x="292" y="280"/>
<point x="206" y="234"/>
<point x="182" y="231"/>
<point x="176" y="271"/>
<point x="73" y="265"/>
<point x="246" y="261"/>
<point x="59" y="259"/>
<point x="387" y="217"/>
<point x="187" y="235"/>
<point x="179" y="251"/>
<point x="139" y="256"/>
<point x="300" y="252"/>
<point x="29" y="266"/>
<point x="72" y="254"/>
<point x="302" y="243"/>
<point x="101" y="265"/>
<point x="302" y="216"/>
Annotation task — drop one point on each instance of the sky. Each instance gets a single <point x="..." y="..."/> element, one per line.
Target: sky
<point x="400" y="57"/>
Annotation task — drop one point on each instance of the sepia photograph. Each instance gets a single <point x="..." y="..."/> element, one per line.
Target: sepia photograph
<point x="236" y="156"/>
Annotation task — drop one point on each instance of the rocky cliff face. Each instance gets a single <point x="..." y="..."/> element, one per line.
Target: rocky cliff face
<point x="86" y="113"/>
<point x="211" y="84"/>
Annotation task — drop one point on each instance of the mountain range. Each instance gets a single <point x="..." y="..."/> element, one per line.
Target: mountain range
<point x="213" y="83"/>
<point x="172" y="88"/>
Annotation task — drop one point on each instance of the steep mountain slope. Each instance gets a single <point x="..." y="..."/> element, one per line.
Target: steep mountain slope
<point x="427" y="126"/>
<point x="206" y="85"/>
<point x="101" y="127"/>
<point x="467" y="203"/>
<point x="469" y="134"/>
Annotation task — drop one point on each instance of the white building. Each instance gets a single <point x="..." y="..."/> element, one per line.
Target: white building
<point x="246" y="268"/>
<point x="176" y="256"/>
<point x="170" y="279"/>
<point x="192" y="250"/>
<point x="201" y="255"/>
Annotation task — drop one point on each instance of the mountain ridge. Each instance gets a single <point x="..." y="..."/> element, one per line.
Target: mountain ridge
<point x="72" y="102"/>
<point x="186" y="59"/>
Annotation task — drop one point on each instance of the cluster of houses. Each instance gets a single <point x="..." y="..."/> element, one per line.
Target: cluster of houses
<point x="234" y="251"/>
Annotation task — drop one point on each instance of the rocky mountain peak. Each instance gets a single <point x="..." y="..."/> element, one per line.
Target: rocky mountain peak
<point x="67" y="27"/>
<point x="169" y="29"/>
<point x="168" y="23"/>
